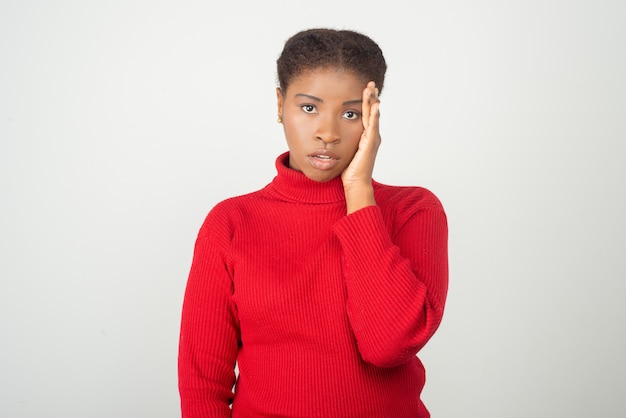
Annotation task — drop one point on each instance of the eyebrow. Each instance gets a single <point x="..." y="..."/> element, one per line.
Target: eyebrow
<point x="317" y="99"/>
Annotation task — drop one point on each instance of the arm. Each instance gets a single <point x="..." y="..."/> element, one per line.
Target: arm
<point x="396" y="288"/>
<point x="209" y="330"/>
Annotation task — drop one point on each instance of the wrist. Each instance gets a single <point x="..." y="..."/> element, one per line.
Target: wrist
<point x="358" y="197"/>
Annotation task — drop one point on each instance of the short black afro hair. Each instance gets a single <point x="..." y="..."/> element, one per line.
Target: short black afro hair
<point x="328" y="48"/>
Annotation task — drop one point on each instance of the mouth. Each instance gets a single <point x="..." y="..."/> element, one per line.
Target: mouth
<point x="323" y="159"/>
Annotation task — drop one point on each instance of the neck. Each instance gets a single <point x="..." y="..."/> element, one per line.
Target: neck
<point x="294" y="185"/>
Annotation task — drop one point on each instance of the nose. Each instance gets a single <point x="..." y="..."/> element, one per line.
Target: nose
<point x="327" y="130"/>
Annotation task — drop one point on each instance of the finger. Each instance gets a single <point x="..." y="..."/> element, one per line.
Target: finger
<point x="372" y="132"/>
<point x="370" y="139"/>
<point x="373" y="100"/>
<point x="374" y="116"/>
<point x="366" y="104"/>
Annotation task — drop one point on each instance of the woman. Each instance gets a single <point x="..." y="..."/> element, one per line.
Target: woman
<point x="324" y="285"/>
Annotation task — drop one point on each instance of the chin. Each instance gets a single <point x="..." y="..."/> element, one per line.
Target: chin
<point x="321" y="177"/>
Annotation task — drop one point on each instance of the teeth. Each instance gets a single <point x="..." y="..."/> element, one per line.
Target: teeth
<point x="323" y="157"/>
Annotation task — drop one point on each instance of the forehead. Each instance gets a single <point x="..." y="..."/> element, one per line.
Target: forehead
<point x="328" y="83"/>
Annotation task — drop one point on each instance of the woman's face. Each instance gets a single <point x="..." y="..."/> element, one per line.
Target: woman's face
<point x="321" y="113"/>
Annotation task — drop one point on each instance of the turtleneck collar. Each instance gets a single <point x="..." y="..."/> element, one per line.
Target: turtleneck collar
<point x="294" y="185"/>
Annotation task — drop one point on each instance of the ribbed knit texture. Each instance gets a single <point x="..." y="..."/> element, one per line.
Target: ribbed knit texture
<point x="323" y="312"/>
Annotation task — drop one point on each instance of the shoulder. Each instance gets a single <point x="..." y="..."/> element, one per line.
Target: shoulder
<point x="404" y="205"/>
<point x="227" y="214"/>
<point x="406" y="197"/>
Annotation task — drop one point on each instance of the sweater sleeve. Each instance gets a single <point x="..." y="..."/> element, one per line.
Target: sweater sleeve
<point x="396" y="287"/>
<point x="209" y="328"/>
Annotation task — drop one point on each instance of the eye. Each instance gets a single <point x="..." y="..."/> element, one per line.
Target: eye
<point x="308" y="108"/>
<point x="351" y="115"/>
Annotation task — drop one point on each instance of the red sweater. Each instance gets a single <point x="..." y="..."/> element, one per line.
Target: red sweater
<point x="322" y="312"/>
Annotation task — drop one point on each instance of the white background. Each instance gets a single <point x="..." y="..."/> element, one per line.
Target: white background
<point x="123" y="122"/>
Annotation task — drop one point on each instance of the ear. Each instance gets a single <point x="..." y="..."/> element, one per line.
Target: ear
<point x="279" y="101"/>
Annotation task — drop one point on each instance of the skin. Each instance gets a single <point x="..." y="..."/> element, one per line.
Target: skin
<point x="331" y="123"/>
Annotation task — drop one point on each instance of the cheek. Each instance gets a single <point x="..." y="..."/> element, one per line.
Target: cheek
<point x="294" y="131"/>
<point x="294" y="122"/>
<point x="295" y="134"/>
<point x="352" y="135"/>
